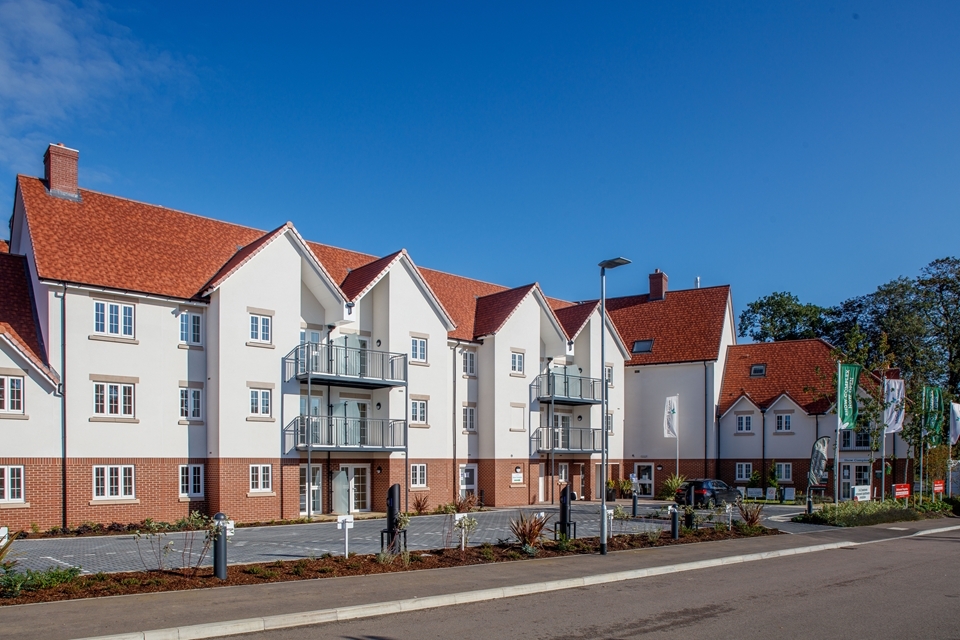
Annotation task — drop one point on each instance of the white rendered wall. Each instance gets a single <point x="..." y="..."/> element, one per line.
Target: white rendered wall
<point x="37" y="436"/>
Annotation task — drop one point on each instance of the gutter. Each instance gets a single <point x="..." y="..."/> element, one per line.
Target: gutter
<point x="63" y="404"/>
<point x="127" y="294"/>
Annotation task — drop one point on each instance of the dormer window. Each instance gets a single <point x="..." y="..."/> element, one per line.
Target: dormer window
<point x="642" y="346"/>
<point x="758" y="370"/>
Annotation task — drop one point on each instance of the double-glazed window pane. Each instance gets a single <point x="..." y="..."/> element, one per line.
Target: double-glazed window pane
<point x="113" y="399"/>
<point x="100" y="317"/>
<point x="260" y="402"/>
<point x="113" y="319"/>
<point x="11" y="394"/>
<point x="469" y="418"/>
<point x="11" y="484"/>
<point x="114" y="482"/>
<point x="260" y="477"/>
<point x="418" y="349"/>
<point x="190" y="328"/>
<point x="259" y="328"/>
<point x="190" y="403"/>
<point x="418" y="411"/>
<point x="418" y="475"/>
<point x="191" y="480"/>
<point x="469" y="363"/>
<point x="516" y="362"/>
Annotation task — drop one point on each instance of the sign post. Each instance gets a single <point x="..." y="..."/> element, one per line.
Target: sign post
<point x="938" y="488"/>
<point x="860" y="493"/>
<point x="345" y="523"/>
<point x="901" y="491"/>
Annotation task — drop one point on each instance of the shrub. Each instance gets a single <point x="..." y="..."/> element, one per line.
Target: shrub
<point x="858" y="514"/>
<point x="420" y="502"/>
<point x="13" y="582"/>
<point x="528" y="530"/>
<point x="750" y="513"/>
<point x="670" y="486"/>
<point x="465" y="504"/>
<point x="385" y="557"/>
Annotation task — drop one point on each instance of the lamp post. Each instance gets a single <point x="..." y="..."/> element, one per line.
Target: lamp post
<point x="613" y="263"/>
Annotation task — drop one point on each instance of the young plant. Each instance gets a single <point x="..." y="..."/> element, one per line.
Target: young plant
<point x="750" y="513"/>
<point x="420" y="502"/>
<point x="529" y="530"/>
<point x="670" y="486"/>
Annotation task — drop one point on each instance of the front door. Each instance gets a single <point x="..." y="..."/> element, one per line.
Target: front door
<point x="468" y="480"/>
<point x="846" y="472"/>
<point x="351" y="488"/>
<point x="316" y="501"/>
<point x="644" y="471"/>
<point x="561" y="431"/>
<point x="543" y="480"/>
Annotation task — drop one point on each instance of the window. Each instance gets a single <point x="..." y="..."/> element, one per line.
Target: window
<point x="418" y="349"/>
<point x="259" y="328"/>
<point x="563" y="472"/>
<point x="113" y="399"/>
<point x="516" y="362"/>
<point x="783" y="422"/>
<point x="260" y="479"/>
<point x="418" y="411"/>
<point x="190" y="328"/>
<point x="744" y="471"/>
<point x="418" y="475"/>
<point x="11" y="484"/>
<point x="260" y="402"/>
<point x="113" y="318"/>
<point x="470" y="363"/>
<point x="191" y="480"/>
<point x="642" y="346"/>
<point x="758" y="370"/>
<point x="859" y="440"/>
<point x="470" y="418"/>
<point x="744" y="423"/>
<point x="785" y="471"/>
<point x="190" y="404"/>
<point x="608" y="374"/>
<point x="11" y="394"/>
<point x="609" y="423"/>
<point x="113" y="482"/>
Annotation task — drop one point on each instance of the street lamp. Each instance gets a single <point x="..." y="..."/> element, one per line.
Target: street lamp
<point x="613" y="263"/>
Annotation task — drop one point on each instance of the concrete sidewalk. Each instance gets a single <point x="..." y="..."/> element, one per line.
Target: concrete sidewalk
<point x="120" y="614"/>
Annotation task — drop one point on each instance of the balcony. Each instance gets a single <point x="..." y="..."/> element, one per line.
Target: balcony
<point x="564" y="389"/>
<point x="345" y="366"/>
<point x="336" y="433"/>
<point x="572" y="440"/>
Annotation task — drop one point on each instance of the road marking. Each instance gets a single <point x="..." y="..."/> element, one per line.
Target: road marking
<point x="898" y="529"/>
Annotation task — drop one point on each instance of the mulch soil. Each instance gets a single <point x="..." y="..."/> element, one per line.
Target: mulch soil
<point x="111" y="584"/>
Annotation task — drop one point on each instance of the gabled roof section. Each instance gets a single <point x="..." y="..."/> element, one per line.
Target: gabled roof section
<point x="243" y="256"/>
<point x="686" y="326"/>
<point x="800" y="369"/>
<point x="339" y="262"/>
<point x="359" y="280"/>
<point x="494" y="310"/>
<point x="459" y="296"/>
<point x="573" y="318"/>
<point x="18" y="321"/>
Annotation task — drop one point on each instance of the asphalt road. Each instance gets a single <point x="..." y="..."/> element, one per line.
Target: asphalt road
<point x="905" y="588"/>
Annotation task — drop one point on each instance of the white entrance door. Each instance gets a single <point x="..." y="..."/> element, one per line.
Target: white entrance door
<point x="468" y="480"/>
<point x="316" y="500"/>
<point x="644" y="471"/>
<point x="561" y="431"/>
<point x="542" y="483"/>
<point x="351" y="488"/>
<point x="846" y="471"/>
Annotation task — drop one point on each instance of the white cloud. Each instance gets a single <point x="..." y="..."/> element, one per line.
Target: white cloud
<point x="60" y="61"/>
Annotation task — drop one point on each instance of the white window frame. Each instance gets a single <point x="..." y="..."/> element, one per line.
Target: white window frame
<point x="104" y="313"/>
<point x="609" y="424"/>
<point x="470" y="363"/>
<point x="516" y="362"/>
<point x="608" y="374"/>
<point x="102" y="394"/>
<point x="10" y="403"/>
<point x="261" y="328"/>
<point x="744" y="424"/>
<point x="784" y="468"/>
<point x="418" y="475"/>
<point x="261" y="482"/>
<point x="469" y="418"/>
<point x="191" y="404"/>
<point x="563" y="472"/>
<point x="744" y="471"/>
<point x="261" y="402"/>
<point x="193" y="479"/>
<point x="122" y="472"/>
<point x="191" y="328"/>
<point x="418" y="349"/>
<point x="418" y="412"/>
<point x="10" y="492"/>
<point x="784" y="422"/>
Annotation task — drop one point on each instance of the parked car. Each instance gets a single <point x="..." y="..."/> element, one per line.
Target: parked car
<point x="707" y="492"/>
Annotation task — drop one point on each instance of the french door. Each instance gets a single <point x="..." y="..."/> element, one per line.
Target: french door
<point x="311" y="489"/>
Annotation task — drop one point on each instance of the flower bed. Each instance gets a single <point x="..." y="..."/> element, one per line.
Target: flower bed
<point x="68" y="587"/>
<point x="860" y="514"/>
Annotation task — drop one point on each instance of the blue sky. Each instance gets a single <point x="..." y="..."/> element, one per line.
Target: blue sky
<point x="807" y="147"/>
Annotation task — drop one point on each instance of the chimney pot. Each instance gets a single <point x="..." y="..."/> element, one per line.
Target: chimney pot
<point x="658" y="285"/>
<point x="60" y="171"/>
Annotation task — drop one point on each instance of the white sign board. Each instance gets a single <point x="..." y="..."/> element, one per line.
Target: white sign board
<point x="754" y="492"/>
<point x="771" y="493"/>
<point x="860" y="493"/>
<point x="344" y="521"/>
<point x="230" y="528"/>
<point x="789" y="493"/>
<point x="4" y="534"/>
<point x="516" y="478"/>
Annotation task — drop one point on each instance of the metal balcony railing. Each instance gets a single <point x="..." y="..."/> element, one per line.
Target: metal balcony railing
<point x="564" y="389"/>
<point x="337" y="432"/>
<point x="346" y="366"/>
<point x="572" y="440"/>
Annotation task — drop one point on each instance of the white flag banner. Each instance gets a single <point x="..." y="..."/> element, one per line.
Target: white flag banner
<point x="893" y="393"/>
<point x="954" y="422"/>
<point x="670" y="417"/>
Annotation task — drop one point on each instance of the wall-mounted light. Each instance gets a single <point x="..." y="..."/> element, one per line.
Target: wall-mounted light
<point x="579" y="418"/>
<point x="378" y="343"/>
<point x="379" y="469"/>
<point x="378" y="406"/>
<point x="659" y="467"/>
<point x="517" y="470"/>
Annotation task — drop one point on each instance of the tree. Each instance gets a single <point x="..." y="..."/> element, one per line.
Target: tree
<point x="781" y="316"/>
<point x="939" y="287"/>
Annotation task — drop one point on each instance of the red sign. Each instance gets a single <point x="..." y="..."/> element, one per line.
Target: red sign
<point x="938" y="486"/>
<point x="901" y="491"/>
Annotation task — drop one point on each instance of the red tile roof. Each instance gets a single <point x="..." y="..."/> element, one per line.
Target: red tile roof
<point x="459" y="297"/>
<point x="802" y="369"/>
<point x="4" y="246"/>
<point x="18" y="323"/>
<point x="242" y="256"/>
<point x="686" y="326"/>
<point x="495" y="309"/>
<point x="359" y="279"/>
<point x="339" y="262"/>
<point x="572" y="317"/>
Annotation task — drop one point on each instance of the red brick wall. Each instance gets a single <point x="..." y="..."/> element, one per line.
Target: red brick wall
<point x="60" y="166"/>
<point x="42" y="490"/>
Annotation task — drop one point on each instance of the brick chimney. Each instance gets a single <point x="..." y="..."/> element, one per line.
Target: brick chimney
<point x="658" y="285"/>
<point x="60" y="171"/>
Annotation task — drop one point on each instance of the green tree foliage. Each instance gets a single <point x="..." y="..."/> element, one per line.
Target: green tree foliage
<point x="781" y="316"/>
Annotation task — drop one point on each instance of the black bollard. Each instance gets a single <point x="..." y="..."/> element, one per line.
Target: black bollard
<point x="220" y="547"/>
<point x="563" y="527"/>
<point x="675" y="524"/>
<point x="393" y="511"/>
<point x="634" y="504"/>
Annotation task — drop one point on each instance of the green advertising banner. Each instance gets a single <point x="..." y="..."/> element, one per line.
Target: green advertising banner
<point x="848" y="381"/>
<point x="933" y="414"/>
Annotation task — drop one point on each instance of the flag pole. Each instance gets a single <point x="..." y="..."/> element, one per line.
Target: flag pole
<point x="836" y="445"/>
<point x="677" y="427"/>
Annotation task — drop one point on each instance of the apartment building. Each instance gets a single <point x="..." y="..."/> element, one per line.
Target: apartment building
<point x="167" y="363"/>
<point x="776" y="401"/>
